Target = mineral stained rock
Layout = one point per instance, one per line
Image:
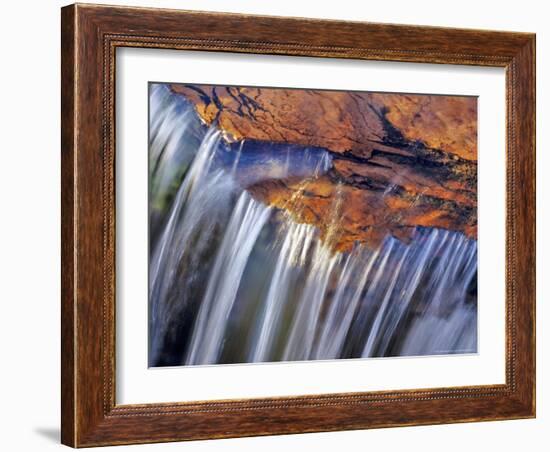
(398, 160)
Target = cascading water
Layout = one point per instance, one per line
(234, 280)
(245, 224)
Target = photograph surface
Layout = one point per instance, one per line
(297, 224)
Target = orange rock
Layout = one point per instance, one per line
(399, 160)
(448, 123)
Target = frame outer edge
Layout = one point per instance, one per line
(525, 61)
(86, 418)
(68, 230)
(534, 225)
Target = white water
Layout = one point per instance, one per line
(245, 224)
(292, 257)
(234, 280)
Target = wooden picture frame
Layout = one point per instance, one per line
(90, 36)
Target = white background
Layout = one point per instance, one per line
(30, 226)
(137, 384)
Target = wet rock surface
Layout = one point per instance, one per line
(399, 161)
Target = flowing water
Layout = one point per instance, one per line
(234, 280)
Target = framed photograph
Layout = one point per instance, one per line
(280, 225)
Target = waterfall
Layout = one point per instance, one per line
(354, 274)
(297, 239)
(247, 220)
(196, 207)
(234, 280)
(302, 336)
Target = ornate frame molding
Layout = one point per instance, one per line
(90, 37)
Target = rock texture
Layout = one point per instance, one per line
(399, 160)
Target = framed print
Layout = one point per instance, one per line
(279, 225)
